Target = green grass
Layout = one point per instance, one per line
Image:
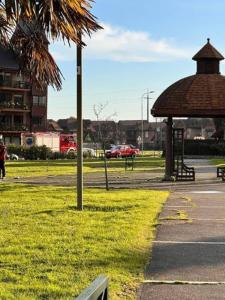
(49, 250)
(59, 167)
(219, 162)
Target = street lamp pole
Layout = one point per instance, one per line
(142, 128)
(79, 127)
(142, 117)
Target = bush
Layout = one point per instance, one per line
(31, 153)
(205, 147)
(58, 155)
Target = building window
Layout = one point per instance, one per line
(40, 100)
(18, 100)
(5, 79)
(5, 98)
(37, 121)
(18, 120)
(15, 140)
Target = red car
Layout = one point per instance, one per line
(122, 151)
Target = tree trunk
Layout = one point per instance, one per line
(106, 170)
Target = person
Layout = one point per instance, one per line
(2, 159)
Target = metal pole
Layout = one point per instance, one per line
(169, 149)
(148, 106)
(142, 128)
(79, 128)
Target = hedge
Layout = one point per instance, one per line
(31, 153)
(204, 147)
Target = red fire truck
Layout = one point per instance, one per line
(57, 142)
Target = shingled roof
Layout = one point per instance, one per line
(200, 95)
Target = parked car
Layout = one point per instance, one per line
(12, 156)
(122, 151)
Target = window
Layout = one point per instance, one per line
(15, 140)
(5, 119)
(5, 79)
(40, 100)
(146, 134)
(35, 100)
(1, 78)
(18, 120)
(18, 100)
(37, 121)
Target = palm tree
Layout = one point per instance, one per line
(25, 26)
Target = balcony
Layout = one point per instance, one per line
(15, 85)
(10, 106)
(6, 127)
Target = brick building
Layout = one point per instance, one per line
(23, 107)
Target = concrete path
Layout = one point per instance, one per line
(188, 257)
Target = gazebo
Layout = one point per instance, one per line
(200, 95)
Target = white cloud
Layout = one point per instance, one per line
(119, 44)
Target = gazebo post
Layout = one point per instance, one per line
(169, 150)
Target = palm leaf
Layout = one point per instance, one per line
(59, 18)
(5, 29)
(31, 48)
(66, 19)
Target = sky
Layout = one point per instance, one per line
(145, 45)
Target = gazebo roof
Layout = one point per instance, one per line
(208, 51)
(200, 95)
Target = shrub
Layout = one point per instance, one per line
(31, 153)
(205, 147)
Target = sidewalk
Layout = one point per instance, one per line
(188, 258)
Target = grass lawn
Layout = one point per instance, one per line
(59, 167)
(49, 250)
(218, 162)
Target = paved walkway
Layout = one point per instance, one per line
(188, 257)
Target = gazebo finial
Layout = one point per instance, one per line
(208, 40)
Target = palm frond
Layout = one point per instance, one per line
(59, 18)
(31, 48)
(5, 29)
(65, 19)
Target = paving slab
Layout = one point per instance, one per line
(195, 231)
(189, 199)
(190, 250)
(194, 262)
(184, 292)
(198, 212)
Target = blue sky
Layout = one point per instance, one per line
(145, 44)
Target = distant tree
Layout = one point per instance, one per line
(219, 125)
(104, 134)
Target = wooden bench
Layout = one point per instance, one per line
(221, 173)
(129, 163)
(184, 173)
(98, 290)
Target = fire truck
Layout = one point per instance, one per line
(57, 142)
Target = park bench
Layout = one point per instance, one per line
(98, 290)
(221, 173)
(129, 163)
(184, 173)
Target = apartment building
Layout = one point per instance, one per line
(23, 106)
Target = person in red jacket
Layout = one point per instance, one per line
(2, 159)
